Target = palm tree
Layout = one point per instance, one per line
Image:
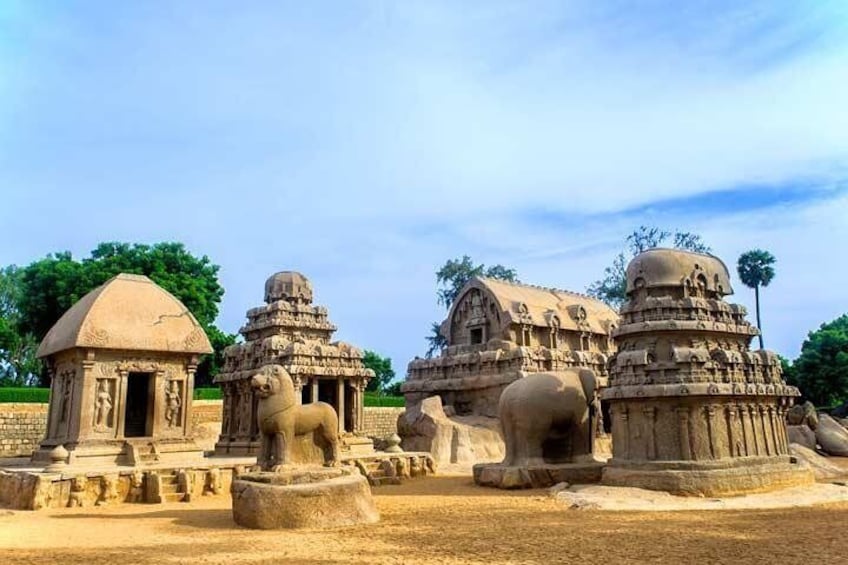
(755, 269)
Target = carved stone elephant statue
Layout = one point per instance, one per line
(545, 417)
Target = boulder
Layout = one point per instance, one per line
(822, 468)
(802, 414)
(462, 440)
(802, 435)
(831, 436)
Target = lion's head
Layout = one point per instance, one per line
(272, 380)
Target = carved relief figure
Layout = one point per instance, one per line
(66, 397)
(173, 403)
(102, 406)
(136, 493)
(77, 496)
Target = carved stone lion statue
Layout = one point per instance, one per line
(281, 418)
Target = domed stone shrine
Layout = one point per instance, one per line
(694, 410)
(122, 361)
(292, 332)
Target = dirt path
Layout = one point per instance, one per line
(439, 520)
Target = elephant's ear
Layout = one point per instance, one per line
(590, 384)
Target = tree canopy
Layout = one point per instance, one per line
(755, 270)
(46, 288)
(450, 279)
(382, 367)
(18, 364)
(611, 288)
(821, 370)
(455, 273)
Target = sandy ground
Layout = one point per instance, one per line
(435, 520)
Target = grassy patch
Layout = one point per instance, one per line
(25, 394)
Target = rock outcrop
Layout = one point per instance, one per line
(462, 440)
(831, 436)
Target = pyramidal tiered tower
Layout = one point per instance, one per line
(694, 410)
(290, 331)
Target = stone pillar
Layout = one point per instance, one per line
(226, 406)
(745, 440)
(354, 410)
(752, 415)
(188, 395)
(314, 396)
(731, 431)
(710, 411)
(340, 403)
(121, 402)
(683, 431)
(54, 398)
(158, 399)
(80, 418)
(650, 413)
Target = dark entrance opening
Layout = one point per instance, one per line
(476, 336)
(349, 408)
(137, 421)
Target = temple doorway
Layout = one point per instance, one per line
(137, 421)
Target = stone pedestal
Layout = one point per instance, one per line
(717, 478)
(536, 476)
(303, 497)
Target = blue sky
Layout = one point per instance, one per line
(365, 143)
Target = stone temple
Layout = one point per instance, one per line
(694, 410)
(122, 361)
(498, 331)
(290, 331)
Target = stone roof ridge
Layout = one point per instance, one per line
(540, 287)
(701, 253)
(131, 277)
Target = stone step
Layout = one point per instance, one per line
(172, 497)
(383, 481)
(169, 489)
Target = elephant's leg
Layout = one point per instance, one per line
(531, 439)
(581, 446)
(508, 428)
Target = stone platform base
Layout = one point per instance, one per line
(303, 497)
(25, 485)
(501, 476)
(726, 481)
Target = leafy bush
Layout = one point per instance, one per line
(384, 401)
(207, 393)
(25, 394)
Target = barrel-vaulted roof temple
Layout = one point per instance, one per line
(496, 331)
(122, 361)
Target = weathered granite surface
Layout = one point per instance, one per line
(303, 497)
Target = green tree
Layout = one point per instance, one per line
(382, 367)
(821, 371)
(18, 363)
(756, 270)
(52, 285)
(450, 279)
(611, 288)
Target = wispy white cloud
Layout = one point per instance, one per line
(366, 143)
